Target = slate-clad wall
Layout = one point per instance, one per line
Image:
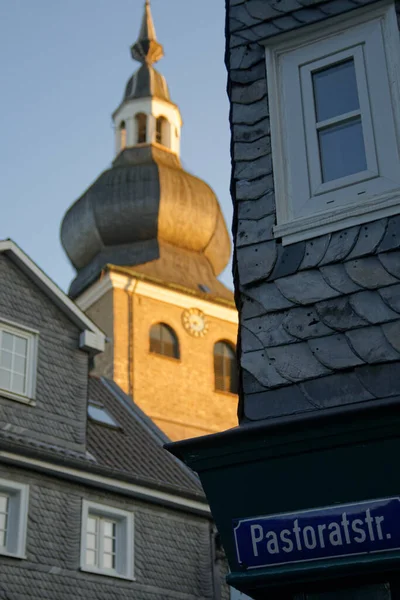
(320, 319)
(59, 417)
(172, 549)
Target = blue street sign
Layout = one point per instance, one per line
(317, 534)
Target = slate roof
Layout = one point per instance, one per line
(136, 449)
(320, 319)
(147, 82)
(184, 271)
(131, 453)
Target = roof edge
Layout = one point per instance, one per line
(92, 474)
(92, 339)
(157, 434)
(130, 272)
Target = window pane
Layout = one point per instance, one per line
(19, 365)
(3, 519)
(5, 379)
(91, 558)
(109, 528)
(100, 414)
(20, 345)
(3, 539)
(108, 561)
(91, 541)
(109, 545)
(342, 150)
(91, 525)
(335, 90)
(5, 359)
(3, 503)
(164, 341)
(7, 341)
(18, 384)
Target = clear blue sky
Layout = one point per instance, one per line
(64, 67)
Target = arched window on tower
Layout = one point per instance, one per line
(225, 368)
(141, 128)
(122, 135)
(162, 131)
(163, 340)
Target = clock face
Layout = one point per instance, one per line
(195, 322)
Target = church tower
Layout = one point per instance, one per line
(148, 240)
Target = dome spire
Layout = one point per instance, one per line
(146, 49)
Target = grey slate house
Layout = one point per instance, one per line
(317, 264)
(91, 506)
(314, 88)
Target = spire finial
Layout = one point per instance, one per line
(147, 49)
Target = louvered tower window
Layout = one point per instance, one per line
(141, 128)
(163, 340)
(161, 124)
(225, 368)
(122, 135)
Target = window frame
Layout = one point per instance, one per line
(124, 568)
(32, 337)
(224, 376)
(291, 57)
(99, 406)
(177, 345)
(312, 126)
(17, 521)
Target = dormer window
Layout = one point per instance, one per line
(122, 135)
(97, 412)
(141, 128)
(334, 124)
(18, 351)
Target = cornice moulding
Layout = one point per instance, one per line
(156, 292)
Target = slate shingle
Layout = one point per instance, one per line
(135, 449)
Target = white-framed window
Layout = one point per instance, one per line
(13, 518)
(18, 361)
(107, 540)
(334, 107)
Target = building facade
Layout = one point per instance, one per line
(148, 241)
(314, 91)
(91, 506)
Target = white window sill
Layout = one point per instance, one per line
(17, 397)
(4, 552)
(372, 209)
(106, 573)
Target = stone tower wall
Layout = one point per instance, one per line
(179, 394)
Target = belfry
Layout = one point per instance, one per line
(148, 240)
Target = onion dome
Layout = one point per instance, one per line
(144, 200)
(146, 208)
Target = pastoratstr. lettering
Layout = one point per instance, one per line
(342, 530)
